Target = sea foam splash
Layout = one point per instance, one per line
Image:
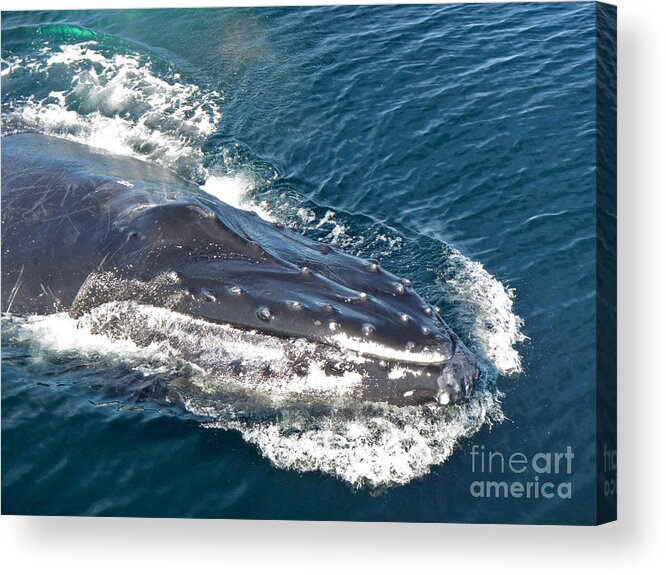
(371, 446)
(117, 102)
(487, 313)
(120, 103)
(235, 188)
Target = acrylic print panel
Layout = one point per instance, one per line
(319, 263)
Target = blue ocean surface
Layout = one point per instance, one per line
(454, 143)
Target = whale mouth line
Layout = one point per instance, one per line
(377, 351)
(282, 363)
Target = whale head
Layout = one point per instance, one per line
(110, 229)
(230, 266)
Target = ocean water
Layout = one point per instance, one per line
(455, 143)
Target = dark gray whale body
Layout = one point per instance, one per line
(81, 228)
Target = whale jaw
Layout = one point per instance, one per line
(278, 369)
(437, 376)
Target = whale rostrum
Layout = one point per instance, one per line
(82, 228)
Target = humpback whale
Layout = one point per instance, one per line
(82, 227)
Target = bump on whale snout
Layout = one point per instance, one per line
(458, 377)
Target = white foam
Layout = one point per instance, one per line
(384, 447)
(399, 372)
(70, 53)
(118, 103)
(60, 333)
(328, 218)
(495, 329)
(234, 189)
(306, 215)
